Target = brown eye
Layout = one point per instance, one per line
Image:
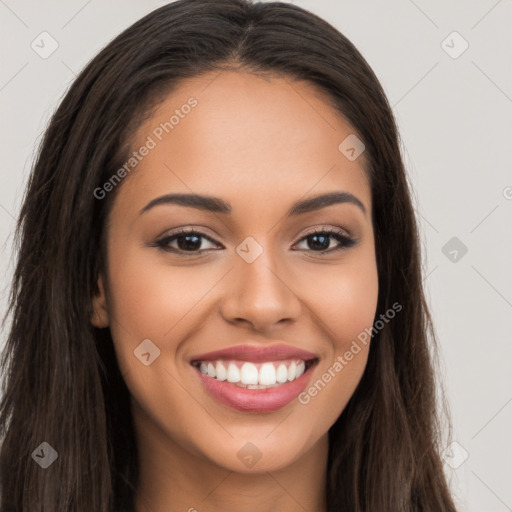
(320, 240)
(187, 241)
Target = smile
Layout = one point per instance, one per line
(254, 375)
(254, 378)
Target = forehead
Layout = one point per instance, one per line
(246, 137)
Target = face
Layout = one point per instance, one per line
(286, 285)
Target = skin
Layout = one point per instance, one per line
(260, 144)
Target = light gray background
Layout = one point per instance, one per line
(455, 119)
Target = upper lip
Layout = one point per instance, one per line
(256, 354)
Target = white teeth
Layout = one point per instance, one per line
(282, 373)
(254, 375)
(292, 371)
(233, 373)
(248, 374)
(221, 372)
(267, 374)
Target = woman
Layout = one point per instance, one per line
(218, 300)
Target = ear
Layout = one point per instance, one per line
(99, 305)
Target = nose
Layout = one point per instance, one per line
(261, 294)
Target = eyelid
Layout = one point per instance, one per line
(329, 229)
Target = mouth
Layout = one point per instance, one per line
(263, 380)
(248, 375)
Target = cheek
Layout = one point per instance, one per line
(151, 300)
(345, 303)
(354, 304)
(344, 300)
(347, 307)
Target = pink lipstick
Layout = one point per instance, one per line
(254, 378)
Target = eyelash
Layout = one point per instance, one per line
(345, 241)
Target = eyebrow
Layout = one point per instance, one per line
(217, 205)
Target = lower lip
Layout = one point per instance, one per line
(256, 400)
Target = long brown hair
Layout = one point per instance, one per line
(62, 384)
